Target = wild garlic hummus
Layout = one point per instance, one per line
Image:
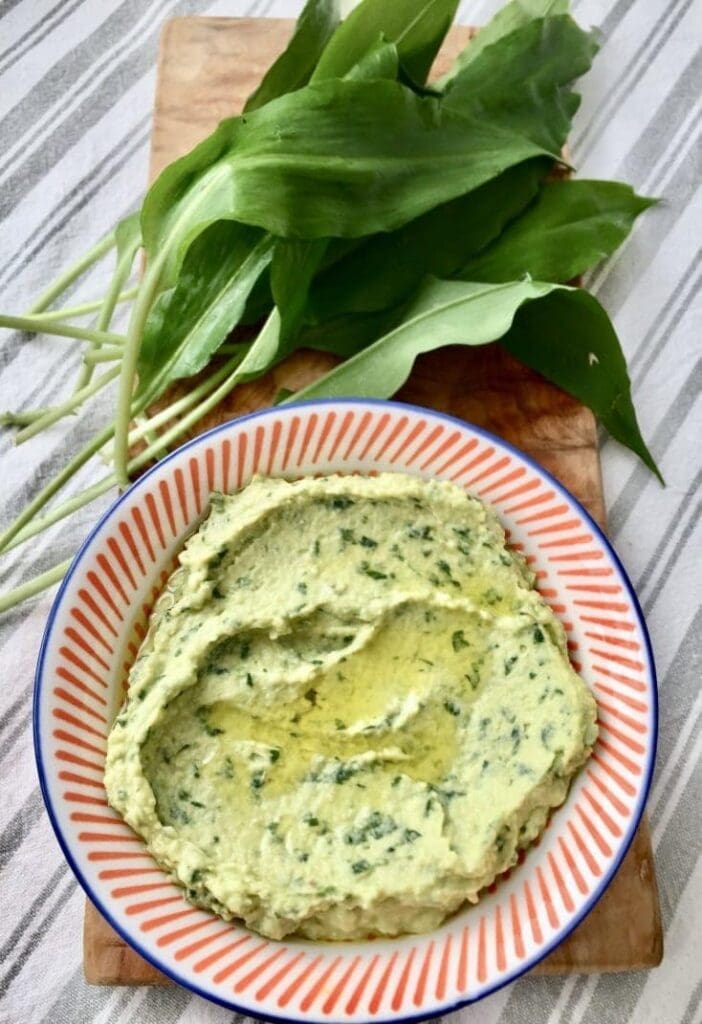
(350, 711)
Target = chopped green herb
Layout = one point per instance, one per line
(377, 826)
(458, 640)
(375, 574)
(473, 678)
(420, 533)
(343, 773)
(360, 866)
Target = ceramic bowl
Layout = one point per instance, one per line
(92, 635)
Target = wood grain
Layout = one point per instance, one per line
(207, 68)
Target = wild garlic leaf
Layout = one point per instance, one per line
(381, 60)
(187, 323)
(569, 338)
(383, 269)
(417, 27)
(295, 260)
(128, 237)
(522, 81)
(337, 159)
(512, 16)
(571, 226)
(562, 332)
(292, 70)
(348, 333)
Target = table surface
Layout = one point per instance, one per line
(76, 91)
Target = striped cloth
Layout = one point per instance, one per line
(76, 90)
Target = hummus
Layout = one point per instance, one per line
(351, 710)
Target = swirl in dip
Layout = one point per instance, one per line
(351, 710)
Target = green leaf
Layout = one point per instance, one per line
(442, 313)
(340, 158)
(521, 80)
(292, 70)
(568, 338)
(381, 60)
(348, 333)
(295, 262)
(128, 237)
(512, 16)
(417, 27)
(571, 226)
(188, 323)
(383, 269)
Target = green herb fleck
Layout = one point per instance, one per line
(375, 574)
(458, 640)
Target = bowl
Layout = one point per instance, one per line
(92, 636)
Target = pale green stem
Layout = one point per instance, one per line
(83, 309)
(67, 407)
(72, 467)
(107, 309)
(181, 404)
(28, 323)
(22, 419)
(20, 534)
(47, 492)
(106, 354)
(67, 277)
(184, 423)
(123, 415)
(35, 586)
(149, 433)
(73, 504)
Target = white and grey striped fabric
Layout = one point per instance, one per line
(76, 90)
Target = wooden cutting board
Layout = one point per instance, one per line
(207, 67)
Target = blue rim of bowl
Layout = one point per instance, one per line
(635, 818)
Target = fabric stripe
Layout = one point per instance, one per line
(675, 416)
(35, 35)
(644, 56)
(36, 935)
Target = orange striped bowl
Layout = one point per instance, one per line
(90, 641)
